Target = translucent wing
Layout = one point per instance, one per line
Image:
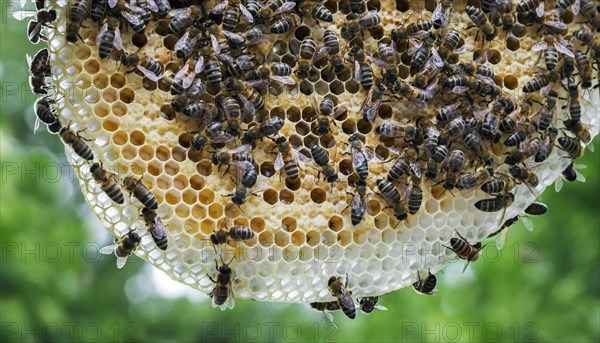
(121, 261)
(220, 7)
(112, 3)
(182, 41)
(109, 249)
(580, 177)
(182, 71)
(576, 7)
(379, 63)
(436, 59)
(339, 109)
(222, 138)
(303, 158)
(286, 80)
(527, 223)
(539, 46)
(359, 204)
(502, 239)
(147, 73)
(118, 40)
(558, 183)
(36, 126)
(247, 108)
(179, 12)
(237, 38)
(357, 74)
(199, 67)
(591, 147)
(246, 14)
(286, 7)
(101, 33)
(241, 148)
(460, 89)
(415, 169)
(278, 164)
(215, 44)
(188, 79)
(564, 50)
(441, 14)
(152, 5)
(540, 9)
(131, 18)
(556, 24)
(358, 158)
(380, 308)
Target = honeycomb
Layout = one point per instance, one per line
(303, 232)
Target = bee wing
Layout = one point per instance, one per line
(178, 13)
(220, 7)
(199, 67)
(357, 74)
(35, 32)
(247, 108)
(21, 15)
(556, 24)
(329, 317)
(558, 184)
(152, 5)
(539, 46)
(230, 302)
(278, 164)
(359, 204)
(246, 13)
(460, 89)
(502, 239)
(205, 120)
(527, 223)
(591, 147)
(181, 42)
(436, 59)
(416, 169)
(188, 79)
(131, 18)
(540, 9)
(258, 84)
(214, 42)
(564, 50)
(358, 158)
(286, 80)
(575, 7)
(121, 261)
(182, 71)
(241, 148)
(286, 7)
(237, 38)
(222, 138)
(118, 40)
(147, 73)
(441, 14)
(463, 49)
(339, 109)
(112, 3)
(580, 177)
(303, 158)
(380, 308)
(414, 46)
(379, 63)
(546, 89)
(101, 33)
(109, 249)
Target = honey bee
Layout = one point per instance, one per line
(156, 228)
(272, 8)
(123, 247)
(372, 102)
(453, 164)
(182, 80)
(338, 289)
(369, 304)
(286, 24)
(42, 19)
(236, 233)
(590, 12)
(321, 158)
(361, 155)
(271, 71)
(474, 142)
(527, 149)
(328, 115)
(473, 180)
(238, 156)
(356, 24)
(426, 285)
(222, 294)
(523, 175)
(531, 5)
(45, 111)
(214, 135)
(387, 62)
(39, 69)
(547, 145)
(97, 9)
(182, 18)
(571, 146)
(77, 143)
(78, 11)
(267, 128)
(405, 165)
(481, 21)
(149, 67)
(573, 100)
(200, 110)
(249, 97)
(551, 46)
(417, 29)
(358, 206)
(181, 101)
(453, 129)
(140, 192)
(449, 45)
(305, 55)
(465, 250)
(422, 52)
(548, 111)
(500, 202)
(462, 83)
(287, 159)
(108, 182)
(542, 82)
(231, 16)
(498, 185)
(570, 174)
(392, 196)
(316, 9)
(417, 96)
(245, 182)
(579, 130)
(253, 6)
(584, 66)
(109, 37)
(565, 4)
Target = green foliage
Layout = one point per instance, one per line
(544, 285)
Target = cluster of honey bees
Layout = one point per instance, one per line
(465, 131)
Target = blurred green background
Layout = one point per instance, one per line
(544, 285)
